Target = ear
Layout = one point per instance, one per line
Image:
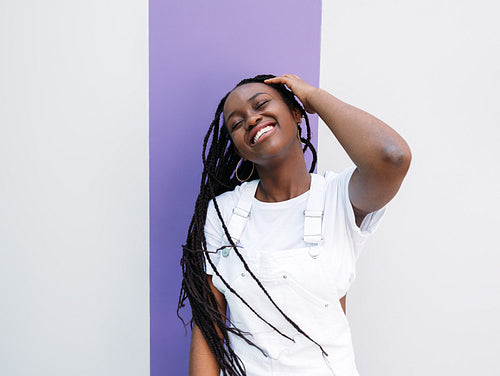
(297, 115)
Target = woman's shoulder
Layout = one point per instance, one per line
(231, 196)
(335, 182)
(228, 200)
(333, 176)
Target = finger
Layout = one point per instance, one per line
(277, 80)
(287, 76)
(287, 79)
(282, 77)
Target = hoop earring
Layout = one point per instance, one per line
(238, 166)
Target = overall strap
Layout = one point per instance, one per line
(242, 210)
(313, 216)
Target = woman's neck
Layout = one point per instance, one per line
(287, 180)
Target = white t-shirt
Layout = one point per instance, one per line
(280, 225)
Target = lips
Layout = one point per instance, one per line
(256, 130)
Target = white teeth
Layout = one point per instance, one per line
(261, 133)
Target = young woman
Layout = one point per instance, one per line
(274, 243)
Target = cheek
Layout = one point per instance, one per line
(287, 117)
(237, 142)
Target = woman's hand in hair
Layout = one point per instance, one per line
(300, 88)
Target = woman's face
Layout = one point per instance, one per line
(260, 123)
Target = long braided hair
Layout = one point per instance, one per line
(218, 176)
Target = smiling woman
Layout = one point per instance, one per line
(278, 248)
(255, 116)
(263, 128)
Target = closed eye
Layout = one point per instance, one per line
(235, 125)
(260, 104)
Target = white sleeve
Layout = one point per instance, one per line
(213, 236)
(371, 220)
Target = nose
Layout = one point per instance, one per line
(253, 120)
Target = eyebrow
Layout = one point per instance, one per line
(249, 100)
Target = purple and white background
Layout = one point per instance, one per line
(103, 108)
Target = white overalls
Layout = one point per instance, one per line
(300, 281)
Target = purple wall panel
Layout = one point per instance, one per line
(198, 51)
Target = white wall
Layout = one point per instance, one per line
(426, 301)
(74, 217)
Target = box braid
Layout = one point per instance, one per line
(218, 176)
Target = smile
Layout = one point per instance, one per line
(261, 131)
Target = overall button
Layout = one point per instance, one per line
(243, 274)
(225, 252)
(314, 252)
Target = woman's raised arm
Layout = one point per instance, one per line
(381, 155)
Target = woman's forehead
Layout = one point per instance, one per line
(245, 93)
